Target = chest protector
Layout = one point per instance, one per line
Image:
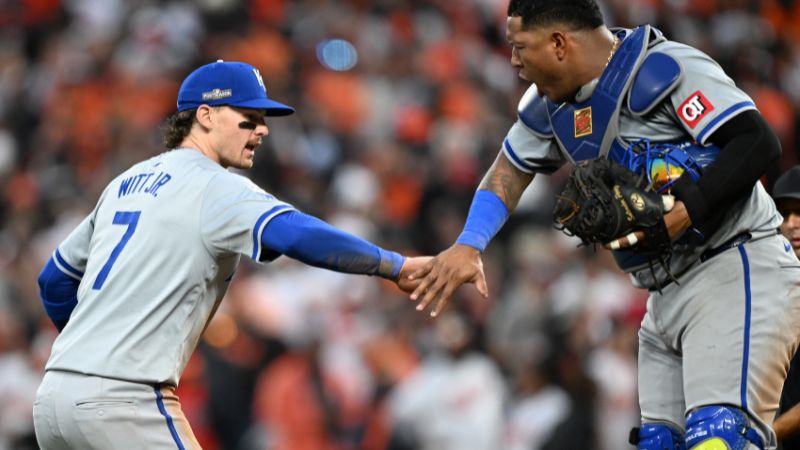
(588, 128)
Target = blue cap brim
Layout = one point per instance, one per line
(272, 107)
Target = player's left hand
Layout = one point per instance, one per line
(676, 219)
(411, 265)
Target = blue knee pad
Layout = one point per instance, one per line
(720, 427)
(657, 436)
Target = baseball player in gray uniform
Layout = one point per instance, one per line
(723, 317)
(134, 285)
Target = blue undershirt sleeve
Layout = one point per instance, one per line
(315, 242)
(59, 293)
(486, 216)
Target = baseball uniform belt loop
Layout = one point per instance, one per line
(735, 241)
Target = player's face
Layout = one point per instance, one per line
(790, 210)
(240, 133)
(534, 52)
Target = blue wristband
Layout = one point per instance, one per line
(487, 214)
(391, 263)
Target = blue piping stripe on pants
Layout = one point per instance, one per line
(170, 425)
(746, 346)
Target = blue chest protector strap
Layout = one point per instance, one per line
(588, 129)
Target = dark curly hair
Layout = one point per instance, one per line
(177, 127)
(580, 14)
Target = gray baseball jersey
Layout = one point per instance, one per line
(703, 101)
(725, 334)
(154, 258)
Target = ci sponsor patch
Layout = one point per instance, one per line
(694, 108)
(583, 122)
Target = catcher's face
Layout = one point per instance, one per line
(539, 55)
(790, 210)
(239, 133)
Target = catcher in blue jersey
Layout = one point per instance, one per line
(134, 285)
(723, 316)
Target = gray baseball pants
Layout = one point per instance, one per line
(76, 411)
(725, 335)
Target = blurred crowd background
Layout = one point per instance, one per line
(396, 122)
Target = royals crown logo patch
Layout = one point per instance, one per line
(583, 122)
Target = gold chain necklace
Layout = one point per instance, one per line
(613, 49)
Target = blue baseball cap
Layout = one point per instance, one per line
(228, 83)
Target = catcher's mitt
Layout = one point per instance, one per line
(603, 201)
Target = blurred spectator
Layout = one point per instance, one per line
(300, 407)
(538, 407)
(21, 367)
(455, 399)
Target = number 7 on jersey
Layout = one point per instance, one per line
(129, 218)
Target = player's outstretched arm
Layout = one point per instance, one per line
(505, 180)
(317, 243)
(497, 195)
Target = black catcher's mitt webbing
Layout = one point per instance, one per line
(603, 201)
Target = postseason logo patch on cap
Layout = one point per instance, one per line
(217, 94)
